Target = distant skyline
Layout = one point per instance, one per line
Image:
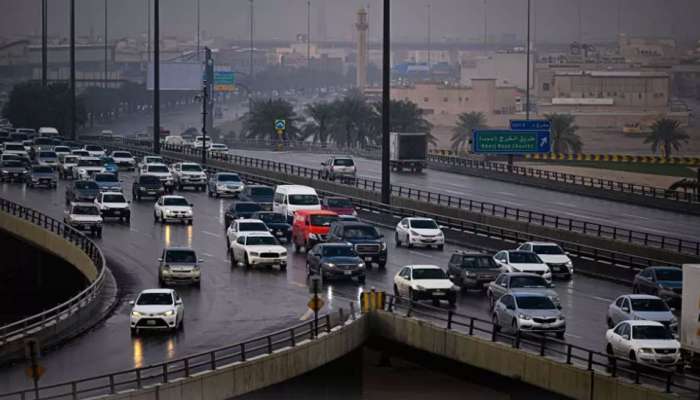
(553, 20)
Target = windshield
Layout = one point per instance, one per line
(527, 282)
(175, 201)
(322, 220)
(86, 210)
(344, 162)
(158, 169)
(86, 185)
(534, 303)
(42, 170)
(149, 180)
(70, 160)
(303, 199)
(191, 168)
(339, 251)
(106, 178)
(113, 198)
(47, 154)
(669, 274)
(19, 137)
(649, 305)
(228, 178)
(91, 147)
(548, 249)
(89, 163)
(274, 218)
(180, 256)
(521, 257)
(82, 153)
(478, 262)
(14, 147)
(155, 299)
(361, 232)
(61, 149)
(339, 203)
(252, 227)
(121, 154)
(262, 191)
(261, 241)
(247, 207)
(42, 141)
(428, 273)
(153, 160)
(423, 224)
(651, 332)
(12, 164)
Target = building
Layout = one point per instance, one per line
(508, 69)
(362, 26)
(648, 51)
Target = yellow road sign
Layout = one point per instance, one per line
(30, 372)
(315, 304)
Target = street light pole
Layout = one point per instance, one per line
(308, 34)
(73, 102)
(386, 98)
(198, 30)
(156, 76)
(527, 78)
(106, 53)
(44, 43)
(148, 30)
(250, 66)
(429, 35)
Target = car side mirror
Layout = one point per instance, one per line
(441, 227)
(131, 303)
(160, 260)
(178, 302)
(626, 309)
(558, 306)
(191, 204)
(626, 336)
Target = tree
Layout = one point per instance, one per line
(351, 125)
(564, 137)
(466, 123)
(321, 114)
(667, 133)
(260, 121)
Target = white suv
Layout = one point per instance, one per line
(115, 205)
(179, 265)
(124, 159)
(258, 249)
(172, 208)
(189, 174)
(84, 217)
(162, 172)
(554, 256)
(243, 226)
(156, 309)
(339, 167)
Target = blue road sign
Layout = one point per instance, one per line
(280, 124)
(530, 125)
(504, 141)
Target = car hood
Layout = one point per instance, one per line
(530, 267)
(363, 241)
(427, 232)
(555, 258)
(161, 174)
(108, 184)
(86, 192)
(91, 169)
(549, 313)
(266, 248)
(260, 199)
(48, 160)
(155, 309)
(123, 159)
(433, 283)
(658, 343)
(546, 291)
(278, 225)
(341, 260)
(116, 205)
(661, 316)
(671, 284)
(341, 210)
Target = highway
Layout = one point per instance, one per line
(233, 304)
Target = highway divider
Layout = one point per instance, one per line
(621, 158)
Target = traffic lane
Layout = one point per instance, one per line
(600, 211)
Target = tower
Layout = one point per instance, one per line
(362, 27)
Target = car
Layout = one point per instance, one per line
(80, 153)
(339, 167)
(310, 227)
(82, 191)
(87, 167)
(150, 160)
(528, 312)
(66, 163)
(349, 218)
(665, 282)
(12, 171)
(179, 265)
(172, 208)
(335, 260)
(146, 186)
(292, 198)
(644, 342)
(260, 194)
(276, 223)
(423, 232)
(472, 270)
(94, 150)
(517, 282)
(640, 306)
(84, 217)
(553, 255)
(41, 175)
(369, 243)
(49, 132)
(258, 249)
(48, 158)
(41, 144)
(218, 148)
(339, 205)
(244, 226)
(162, 172)
(187, 174)
(225, 184)
(161, 309)
(201, 142)
(109, 165)
(61, 150)
(124, 160)
(240, 209)
(16, 149)
(425, 282)
(522, 261)
(107, 182)
(113, 205)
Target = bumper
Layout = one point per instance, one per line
(476, 283)
(86, 227)
(12, 176)
(335, 273)
(160, 322)
(126, 165)
(192, 182)
(532, 326)
(446, 294)
(423, 241)
(659, 360)
(375, 258)
(43, 182)
(174, 277)
(268, 262)
(560, 270)
(228, 191)
(116, 213)
(151, 192)
(182, 218)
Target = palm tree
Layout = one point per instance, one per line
(466, 123)
(351, 124)
(667, 133)
(321, 114)
(260, 121)
(406, 116)
(564, 137)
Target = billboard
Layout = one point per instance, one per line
(177, 76)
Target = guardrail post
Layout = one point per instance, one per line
(352, 310)
(568, 354)
(112, 389)
(74, 390)
(669, 381)
(165, 372)
(187, 367)
(269, 345)
(328, 323)
(636, 372)
(449, 319)
(138, 378)
(242, 346)
(543, 343)
(471, 326)
(590, 361)
(294, 339)
(212, 361)
(613, 367)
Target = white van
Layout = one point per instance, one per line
(291, 198)
(174, 140)
(199, 142)
(49, 132)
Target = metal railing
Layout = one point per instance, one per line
(167, 371)
(35, 323)
(559, 350)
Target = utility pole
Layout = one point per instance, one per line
(527, 78)
(486, 24)
(250, 72)
(206, 99)
(308, 34)
(386, 98)
(106, 52)
(44, 43)
(156, 76)
(73, 102)
(429, 36)
(148, 30)
(198, 30)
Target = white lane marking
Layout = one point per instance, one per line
(423, 254)
(507, 194)
(453, 191)
(573, 336)
(635, 216)
(577, 215)
(211, 234)
(561, 203)
(603, 299)
(208, 255)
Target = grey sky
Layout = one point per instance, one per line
(555, 20)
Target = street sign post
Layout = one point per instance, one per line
(316, 302)
(506, 141)
(34, 371)
(530, 125)
(224, 79)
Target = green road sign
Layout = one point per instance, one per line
(505, 141)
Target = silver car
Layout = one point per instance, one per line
(640, 307)
(528, 312)
(517, 282)
(179, 265)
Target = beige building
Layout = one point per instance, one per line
(508, 69)
(648, 51)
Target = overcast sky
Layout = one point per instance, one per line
(554, 20)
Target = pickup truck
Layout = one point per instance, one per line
(147, 186)
(189, 174)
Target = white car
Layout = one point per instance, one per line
(244, 226)
(425, 282)
(94, 150)
(172, 208)
(554, 256)
(124, 160)
(162, 172)
(258, 249)
(66, 163)
(156, 309)
(189, 174)
(87, 167)
(16, 149)
(61, 150)
(113, 205)
(641, 306)
(218, 148)
(150, 160)
(84, 217)
(419, 232)
(522, 261)
(646, 342)
(80, 153)
(179, 265)
(47, 158)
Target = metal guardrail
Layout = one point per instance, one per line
(35, 323)
(597, 183)
(544, 346)
(167, 371)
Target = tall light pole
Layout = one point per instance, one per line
(486, 24)
(308, 34)
(44, 42)
(386, 98)
(156, 76)
(252, 10)
(148, 30)
(106, 51)
(619, 17)
(580, 23)
(429, 35)
(527, 78)
(198, 29)
(73, 101)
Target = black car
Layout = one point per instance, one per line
(82, 191)
(472, 270)
(12, 171)
(258, 194)
(368, 242)
(335, 260)
(147, 186)
(664, 282)
(276, 222)
(240, 209)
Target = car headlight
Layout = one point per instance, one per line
(254, 254)
(142, 189)
(454, 288)
(361, 265)
(313, 236)
(169, 313)
(646, 350)
(221, 187)
(4, 171)
(561, 317)
(419, 287)
(470, 274)
(569, 264)
(283, 254)
(514, 269)
(329, 265)
(524, 316)
(383, 246)
(673, 320)
(136, 314)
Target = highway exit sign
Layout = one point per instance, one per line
(504, 141)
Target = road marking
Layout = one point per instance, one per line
(422, 254)
(208, 255)
(636, 216)
(602, 299)
(453, 191)
(561, 203)
(507, 194)
(211, 234)
(576, 215)
(573, 336)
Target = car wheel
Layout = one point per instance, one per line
(189, 222)
(494, 320)
(633, 357)
(397, 295)
(412, 295)
(514, 326)
(128, 220)
(560, 335)
(246, 262)
(441, 247)
(452, 301)
(396, 240)
(610, 323)
(134, 331)
(232, 258)
(361, 279)
(155, 217)
(228, 243)
(99, 233)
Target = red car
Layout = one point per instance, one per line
(339, 205)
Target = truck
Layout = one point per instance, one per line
(408, 151)
(690, 315)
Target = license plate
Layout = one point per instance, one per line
(348, 272)
(279, 233)
(151, 322)
(438, 293)
(151, 193)
(368, 258)
(117, 213)
(276, 265)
